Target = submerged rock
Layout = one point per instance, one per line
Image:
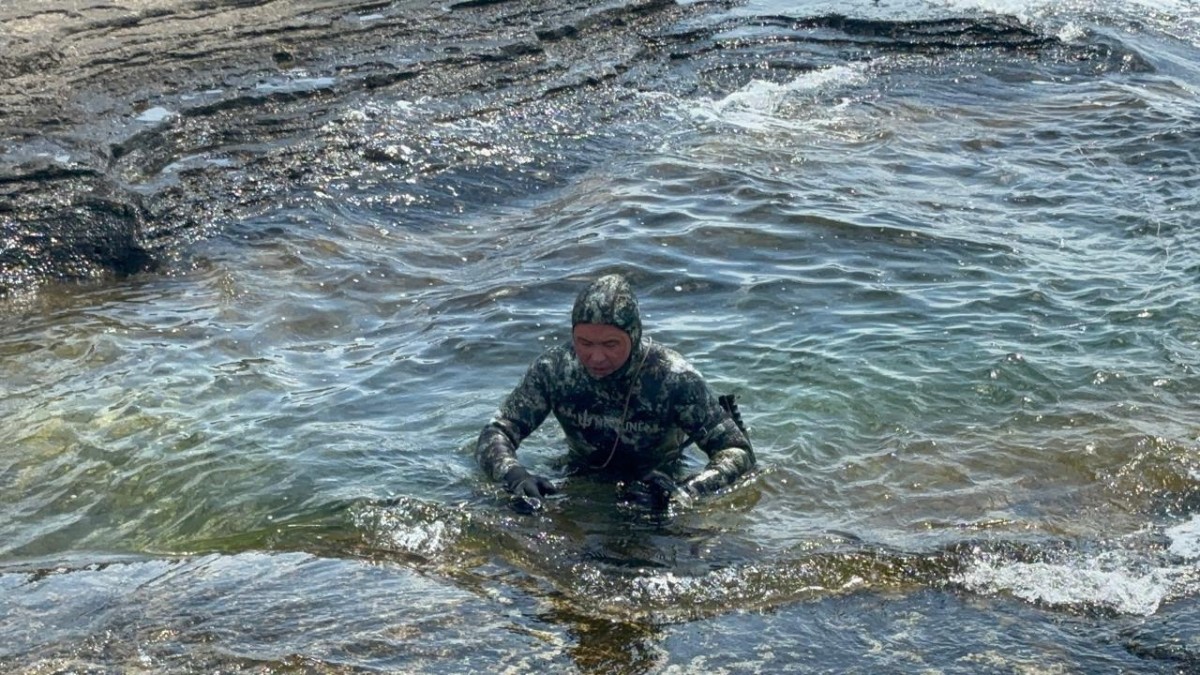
(163, 121)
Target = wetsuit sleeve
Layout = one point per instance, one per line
(519, 415)
(730, 455)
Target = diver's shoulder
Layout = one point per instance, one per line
(555, 356)
(670, 362)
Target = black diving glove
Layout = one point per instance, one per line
(664, 491)
(527, 489)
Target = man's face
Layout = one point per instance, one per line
(602, 349)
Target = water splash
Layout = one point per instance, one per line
(762, 104)
(1185, 539)
(412, 527)
(1115, 581)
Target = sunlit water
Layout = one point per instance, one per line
(955, 292)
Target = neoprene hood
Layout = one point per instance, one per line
(609, 300)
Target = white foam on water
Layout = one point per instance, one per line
(1185, 538)
(1108, 580)
(1174, 12)
(399, 529)
(296, 84)
(155, 114)
(758, 104)
(424, 540)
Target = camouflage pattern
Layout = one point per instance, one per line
(610, 300)
(634, 421)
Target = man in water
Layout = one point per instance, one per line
(627, 405)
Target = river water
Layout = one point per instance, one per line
(943, 252)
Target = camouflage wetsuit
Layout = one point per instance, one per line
(633, 421)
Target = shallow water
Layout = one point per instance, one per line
(944, 254)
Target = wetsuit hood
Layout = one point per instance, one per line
(609, 300)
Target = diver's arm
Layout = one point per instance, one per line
(730, 455)
(724, 467)
(496, 448)
(519, 415)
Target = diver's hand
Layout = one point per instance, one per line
(664, 491)
(527, 489)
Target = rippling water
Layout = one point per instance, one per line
(945, 253)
